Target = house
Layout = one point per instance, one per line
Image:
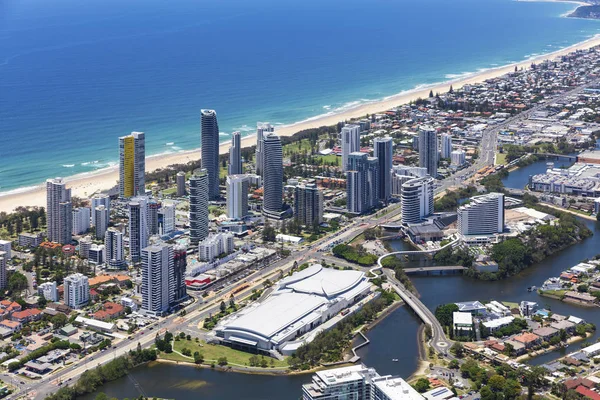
(528, 308)
(577, 297)
(587, 393)
(528, 340)
(546, 333)
(518, 347)
(109, 311)
(32, 314)
(568, 326)
(473, 307)
(13, 326)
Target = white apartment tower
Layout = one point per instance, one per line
(166, 219)
(6, 246)
(58, 211)
(157, 262)
(383, 149)
(417, 199)
(77, 290)
(237, 196)
(115, 255)
(350, 136)
(428, 154)
(138, 227)
(100, 221)
(458, 157)
(484, 215)
(446, 145)
(235, 154)
(49, 291)
(199, 206)
(81, 220)
(308, 204)
(262, 129)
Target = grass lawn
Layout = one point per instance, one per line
(331, 158)
(169, 191)
(212, 352)
(501, 159)
(297, 147)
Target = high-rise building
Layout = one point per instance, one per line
(84, 246)
(77, 290)
(428, 154)
(402, 174)
(59, 214)
(180, 184)
(383, 149)
(48, 290)
(132, 165)
(100, 221)
(210, 151)
(199, 206)
(235, 154)
(6, 246)
(178, 289)
(153, 207)
(237, 196)
(484, 215)
(97, 254)
(262, 129)
(273, 176)
(373, 182)
(81, 220)
(115, 255)
(458, 157)
(357, 382)
(166, 219)
(215, 245)
(138, 227)
(3, 276)
(100, 200)
(157, 261)
(308, 204)
(350, 143)
(417, 199)
(446, 145)
(362, 183)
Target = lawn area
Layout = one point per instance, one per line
(169, 191)
(331, 158)
(212, 352)
(501, 159)
(297, 147)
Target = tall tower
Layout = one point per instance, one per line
(356, 183)
(273, 176)
(59, 214)
(178, 290)
(417, 199)
(113, 242)
(428, 155)
(180, 184)
(235, 154)
(157, 261)
(262, 129)
(132, 165)
(446, 145)
(3, 276)
(373, 182)
(199, 206)
(384, 151)
(350, 143)
(100, 221)
(237, 196)
(210, 151)
(138, 227)
(77, 290)
(308, 204)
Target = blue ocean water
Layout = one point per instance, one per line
(76, 75)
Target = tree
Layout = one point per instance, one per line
(533, 379)
(222, 361)
(59, 320)
(198, 357)
(457, 349)
(422, 385)
(496, 383)
(430, 93)
(223, 306)
(17, 282)
(41, 303)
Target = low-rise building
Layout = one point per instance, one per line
(462, 323)
(528, 340)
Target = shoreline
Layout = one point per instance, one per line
(86, 184)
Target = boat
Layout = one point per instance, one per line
(394, 359)
(532, 288)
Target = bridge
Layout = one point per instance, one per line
(440, 269)
(550, 155)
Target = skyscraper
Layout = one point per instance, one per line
(81, 220)
(100, 221)
(3, 275)
(273, 176)
(384, 151)
(199, 206)
(138, 227)
(157, 261)
(356, 183)
(308, 204)
(350, 143)
(153, 207)
(261, 131)
(373, 182)
(428, 155)
(458, 157)
(77, 290)
(113, 242)
(484, 215)
(177, 287)
(417, 199)
(210, 151)
(132, 165)
(237, 196)
(235, 154)
(446, 145)
(101, 200)
(180, 184)
(166, 219)
(59, 217)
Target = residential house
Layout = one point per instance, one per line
(13, 326)
(546, 333)
(32, 314)
(528, 340)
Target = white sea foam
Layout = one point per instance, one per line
(68, 165)
(176, 147)
(327, 107)
(223, 134)
(169, 143)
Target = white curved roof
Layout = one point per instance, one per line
(323, 281)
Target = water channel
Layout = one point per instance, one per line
(393, 337)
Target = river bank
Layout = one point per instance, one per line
(84, 185)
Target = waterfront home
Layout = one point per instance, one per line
(462, 323)
(592, 350)
(580, 297)
(546, 333)
(473, 307)
(528, 340)
(518, 347)
(495, 324)
(528, 308)
(567, 325)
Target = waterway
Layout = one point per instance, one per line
(393, 337)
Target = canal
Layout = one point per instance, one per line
(393, 337)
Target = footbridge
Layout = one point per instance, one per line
(440, 269)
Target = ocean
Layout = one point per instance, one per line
(74, 76)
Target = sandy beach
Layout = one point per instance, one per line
(85, 185)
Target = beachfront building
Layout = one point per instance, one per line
(81, 220)
(357, 382)
(59, 214)
(428, 153)
(198, 216)
(237, 196)
(132, 165)
(138, 227)
(484, 215)
(273, 177)
(77, 291)
(446, 145)
(235, 154)
(350, 136)
(417, 199)
(262, 129)
(157, 261)
(383, 149)
(298, 304)
(308, 204)
(210, 151)
(180, 184)
(113, 243)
